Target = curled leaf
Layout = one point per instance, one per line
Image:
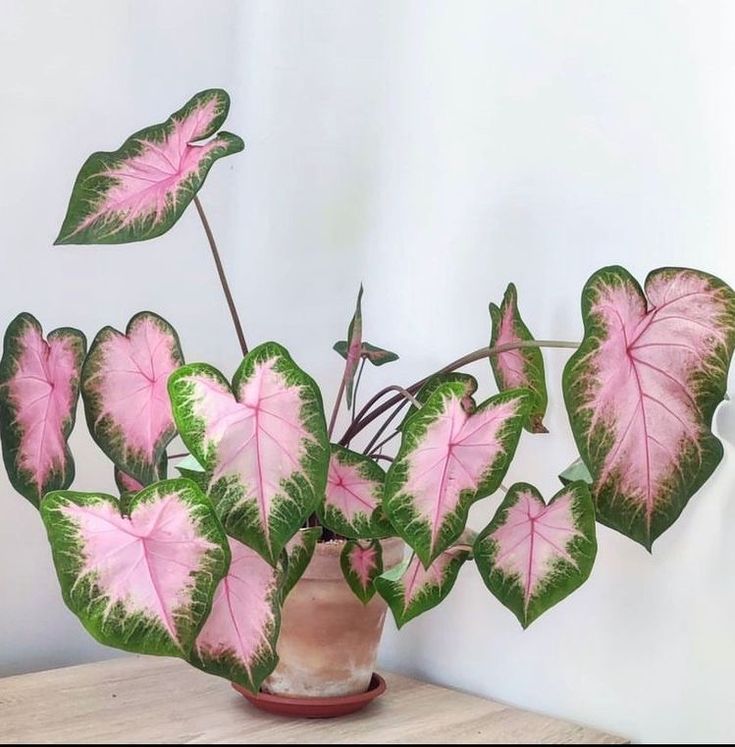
(377, 356)
(522, 367)
(39, 390)
(140, 190)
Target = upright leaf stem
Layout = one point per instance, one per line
(222, 277)
(366, 415)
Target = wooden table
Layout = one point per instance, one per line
(150, 700)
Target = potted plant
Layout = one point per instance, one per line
(275, 523)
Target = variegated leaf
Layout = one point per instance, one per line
(189, 468)
(642, 389)
(377, 356)
(299, 551)
(128, 484)
(39, 390)
(124, 391)
(140, 190)
(264, 442)
(362, 563)
(410, 589)
(532, 554)
(238, 640)
(451, 455)
(435, 382)
(142, 582)
(523, 367)
(354, 349)
(352, 503)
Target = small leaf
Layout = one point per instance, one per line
(523, 367)
(124, 391)
(128, 484)
(264, 442)
(189, 468)
(451, 455)
(39, 390)
(577, 470)
(238, 640)
(411, 590)
(354, 349)
(376, 356)
(299, 551)
(144, 582)
(361, 564)
(642, 389)
(352, 504)
(140, 190)
(533, 555)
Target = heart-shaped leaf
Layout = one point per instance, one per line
(140, 190)
(532, 555)
(354, 349)
(299, 551)
(361, 564)
(265, 446)
(523, 367)
(352, 504)
(410, 589)
(238, 640)
(376, 356)
(642, 389)
(451, 455)
(39, 389)
(435, 382)
(124, 391)
(142, 582)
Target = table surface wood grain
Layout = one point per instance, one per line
(146, 700)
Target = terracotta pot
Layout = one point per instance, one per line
(329, 639)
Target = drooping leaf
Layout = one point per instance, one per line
(377, 356)
(124, 392)
(189, 468)
(577, 470)
(299, 551)
(265, 446)
(435, 382)
(451, 455)
(361, 564)
(238, 640)
(532, 554)
(140, 190)
(354, 349)
(523, 367)
(142, 582)
(352, 503)
(410, 589)
(39, 389)
(642, 389)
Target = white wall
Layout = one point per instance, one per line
(434, 151)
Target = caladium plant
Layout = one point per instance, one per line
(199, 566)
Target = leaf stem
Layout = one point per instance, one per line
(337, 403)
(365, 417)
(357, 386)
(222, 277)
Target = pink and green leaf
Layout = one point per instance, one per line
(523, 367)
(435, 382)
(451, 455)
(299, 551)
(238, 640)
(377, 356)
(354, 349)
(362, 563)
(140, 190)
(143, 582)
(125, 397)
(410, 589)
(642, 389)
(39, 390)
(352, 504)
(128, 484)
(263, 441)
(532, 554)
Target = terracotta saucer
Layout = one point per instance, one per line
(315, 707)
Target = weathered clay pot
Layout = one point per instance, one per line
(329, 639)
